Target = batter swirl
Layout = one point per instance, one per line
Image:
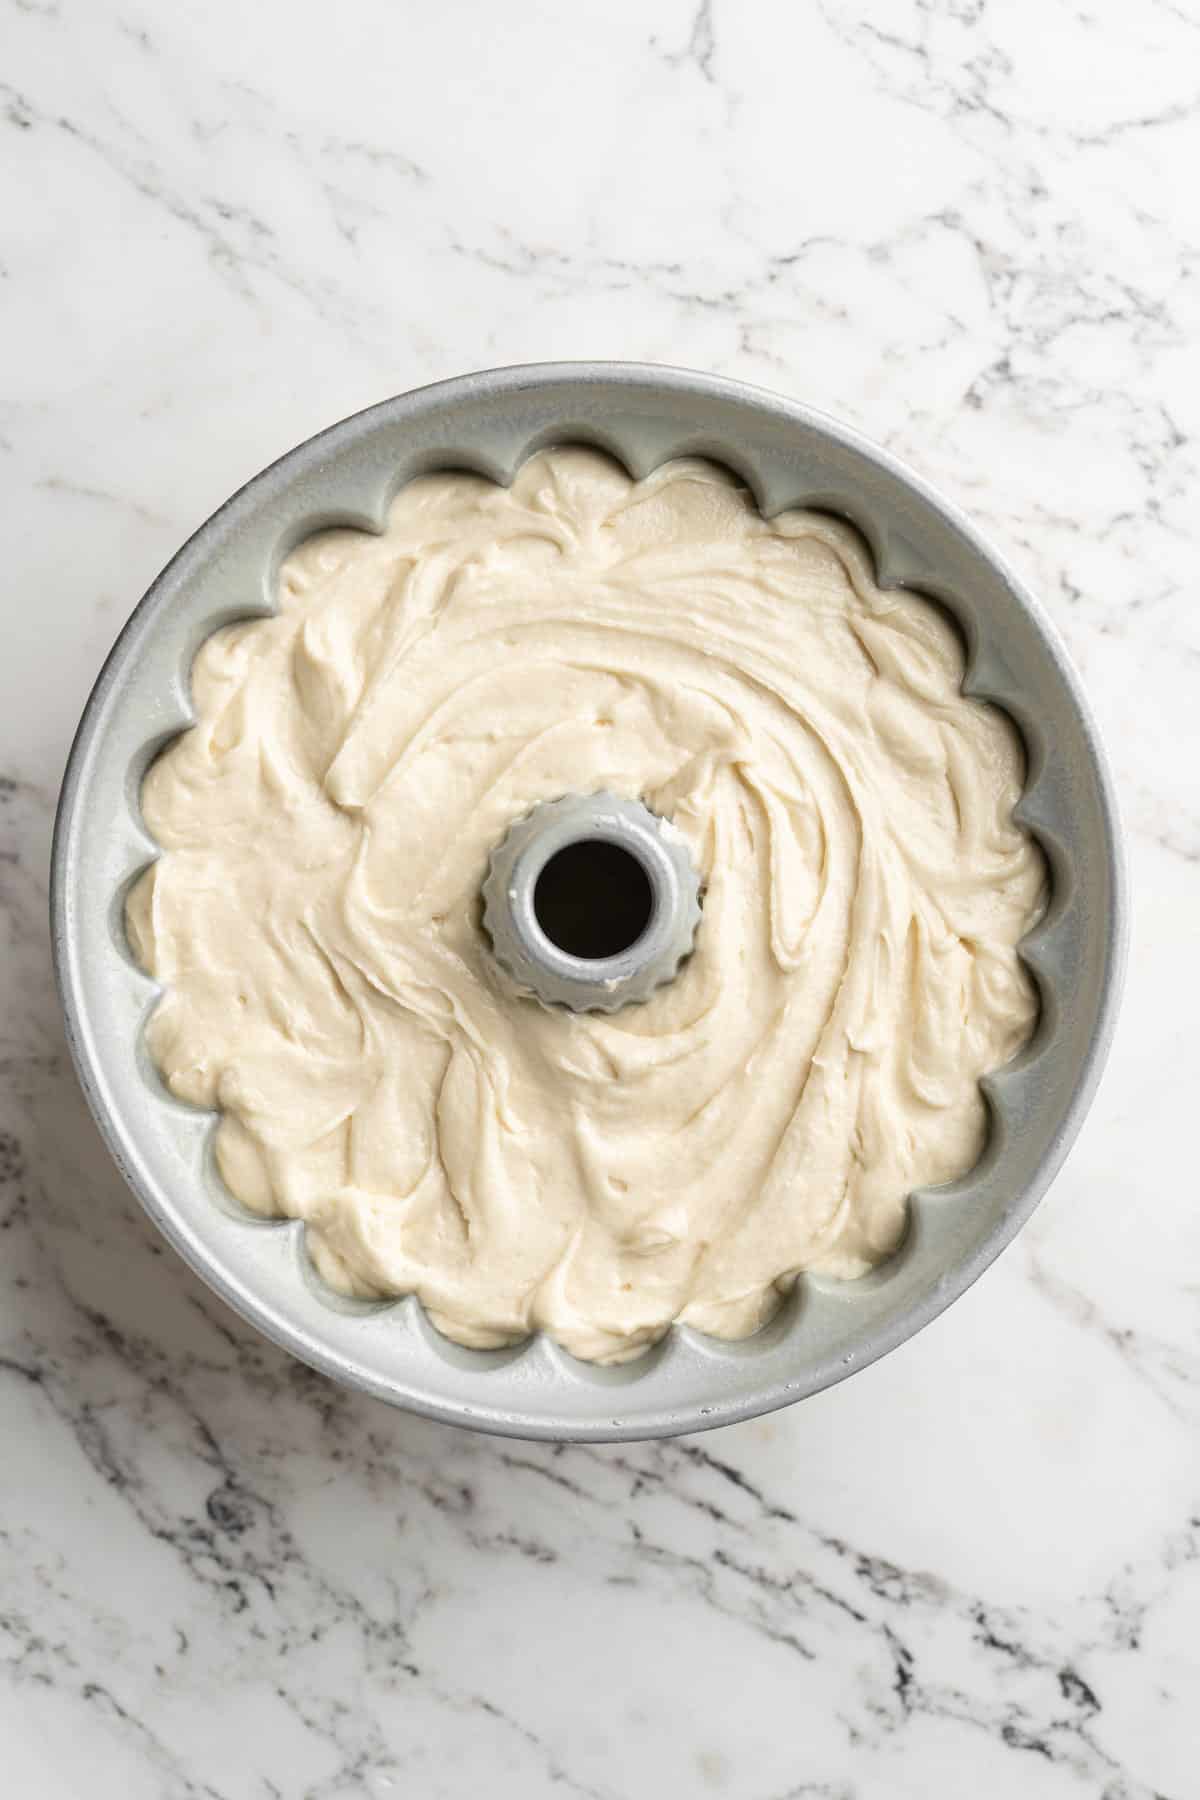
(326, 824)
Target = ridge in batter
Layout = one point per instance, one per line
(325, 827)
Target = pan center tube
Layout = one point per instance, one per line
(591, 902)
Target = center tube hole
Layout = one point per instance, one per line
(593, 899)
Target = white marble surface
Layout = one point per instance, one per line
(969, 227)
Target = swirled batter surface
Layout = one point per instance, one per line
(326, 825)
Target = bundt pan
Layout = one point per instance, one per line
(789, 456)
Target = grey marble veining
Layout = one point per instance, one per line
(971, 229)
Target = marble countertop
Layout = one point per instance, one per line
(970, 228)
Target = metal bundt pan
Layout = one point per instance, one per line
(789, 456)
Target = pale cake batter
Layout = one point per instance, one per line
(326, 826)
